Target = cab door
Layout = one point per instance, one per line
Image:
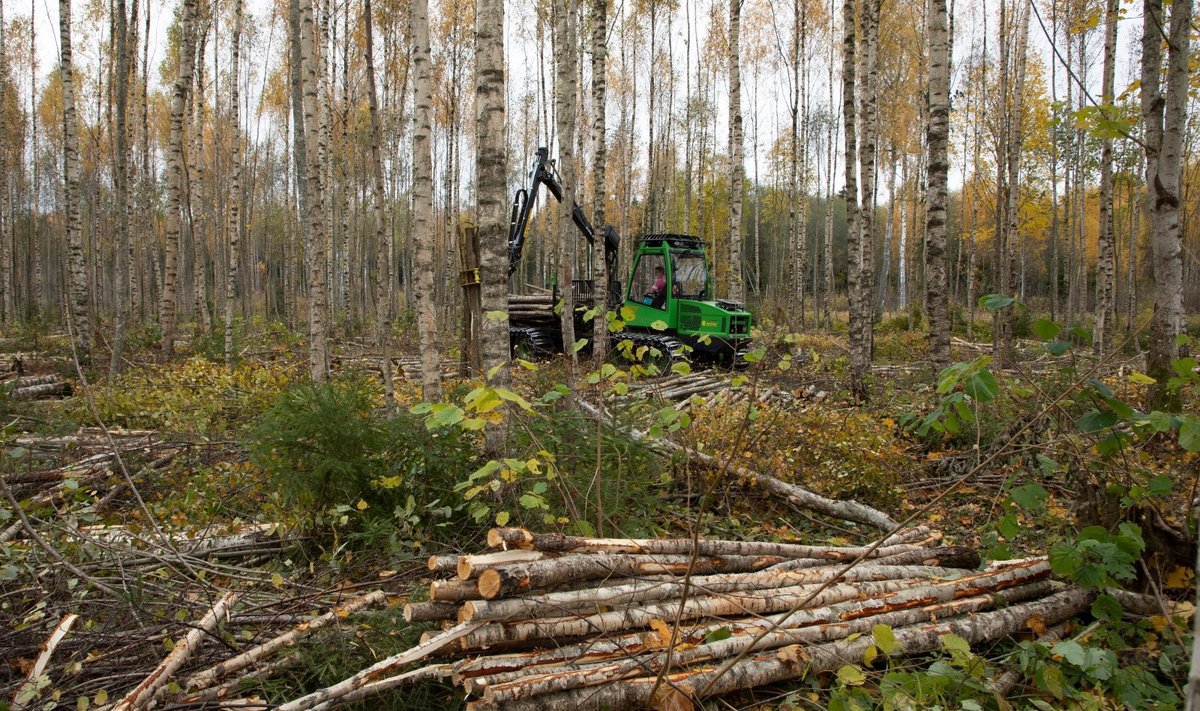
(649, 304)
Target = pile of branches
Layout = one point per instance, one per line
(712, 388)
(546, 621)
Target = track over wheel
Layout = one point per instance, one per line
(660, 353)
(530, 343)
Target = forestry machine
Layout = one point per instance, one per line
(669, 292)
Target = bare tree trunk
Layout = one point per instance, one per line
(737, 169)
(383, 281)
(490, 174)
(853, 235)
(566, 41)
(937, 135)
(315, 243)
(1164, 112)
(183, 83)
(79, 291)
(7, 280)
(424, 238)
(121, 188)
(599, 191)
(1102, 335)
(235, 188)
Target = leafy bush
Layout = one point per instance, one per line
(327, 450)
(194, 395)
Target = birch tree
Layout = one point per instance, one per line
(383, 280)
(1102, 334)
(937, 136)
(314, 251)
(1164, 112)
(599, 192)
(121, 186)
(737, 168)
(424, 237)
(77, 268)
(491, 168)
(566, 43)
(183, 82)
(235, 189)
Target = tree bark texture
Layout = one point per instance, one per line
(235, 178)
(937, 136)
(566, 42)
(80, 293)
(423, 233)
(737, 149)
(315, 253)
(599, 189)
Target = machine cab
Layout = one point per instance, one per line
(667, 269)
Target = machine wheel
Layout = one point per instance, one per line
(662, 351)
(530, 343)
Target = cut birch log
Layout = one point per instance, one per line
(380, 669)
(555, 542)
(454, 590)
(522, 577)
(25, 693)
(430, 611)
(144, 692)
(253, 655)
(442, 563)
(470, 566)
(797, 661)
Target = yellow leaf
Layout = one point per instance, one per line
(1037, 624)
(361, 505)
(277, 580)
(101, 697)
(1180, 578)
(662, 632)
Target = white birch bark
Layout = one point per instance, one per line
(423, 233)
(77, 270)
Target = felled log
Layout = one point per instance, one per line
(521, 577)
(25, 693)
(251, 656)
(183, 649)
(556, 542)
(796, 661)
(430, 611)
(470, 566)
(41, 392)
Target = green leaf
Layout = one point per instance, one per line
(983, 386)
(953, 643)
(681, 367)
(497, 315)
(1189, 433)
(658, 325)
(627, 313)
(1096, 420)
(851, 675)
(717, 635)
(502, 518)
(884, 638)
(1046, 329)
(755, 355)
(1030, 496)
(1057, 348)
(578, 345)
(995, 302)
(1106, 607)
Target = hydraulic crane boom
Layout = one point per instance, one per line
(525, 199)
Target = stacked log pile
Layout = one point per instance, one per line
(546, 621)
(711, 388)
(532, 308)
(37, 387)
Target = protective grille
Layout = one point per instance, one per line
(689, 317)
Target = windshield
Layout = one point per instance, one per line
(691, 275)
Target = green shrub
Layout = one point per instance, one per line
(326, 448)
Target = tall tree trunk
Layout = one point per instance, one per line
(318, 311)
(183, 82)
(737, 168)
(599, 191)
(424, 237)
(566, 41)
(858, 355)
(889, 231)
(1164, 111)
(7, 275)
(1102, 335)
(491, 169)
(79, 291)
(937, 136)
(121, 188)
(235, 188)
(383, 282)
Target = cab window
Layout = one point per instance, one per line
(648, 285)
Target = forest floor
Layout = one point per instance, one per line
(160, 524)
